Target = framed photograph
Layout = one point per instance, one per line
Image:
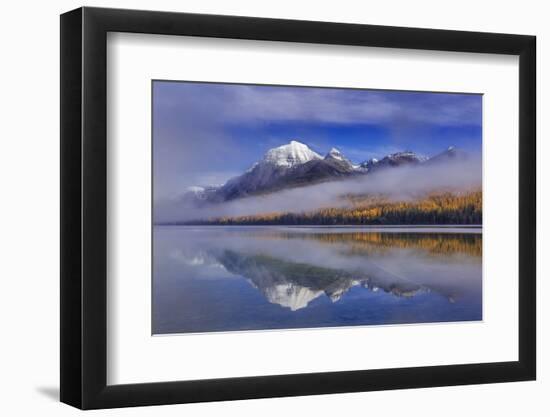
(257, 208)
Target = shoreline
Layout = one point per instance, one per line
(429, 228)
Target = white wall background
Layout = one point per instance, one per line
(29, 237)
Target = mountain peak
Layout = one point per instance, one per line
(335, 153)
(294, 164)
(291, 154)
(408, 156)
(451, 153)
(368, 164)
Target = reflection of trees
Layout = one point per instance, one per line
(364, 242)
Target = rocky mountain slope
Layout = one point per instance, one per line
(295, 164)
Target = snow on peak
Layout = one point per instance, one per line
(336, 154)
(195, 189)
(291, 154)
(402, 154)
(368, 164)
(451, 148)
(408, 155)
(291, 296)
(254, 165)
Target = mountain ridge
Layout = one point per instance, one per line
(295, 164)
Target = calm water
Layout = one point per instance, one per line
(208, 279)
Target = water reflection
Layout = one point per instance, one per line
(294, 285)
(237, 278)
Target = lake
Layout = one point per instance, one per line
(215, 278)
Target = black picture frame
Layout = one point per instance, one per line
(84, 207)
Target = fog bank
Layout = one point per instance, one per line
(400, 183)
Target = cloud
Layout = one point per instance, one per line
(400, 183)
(193, 122)
(238, 103)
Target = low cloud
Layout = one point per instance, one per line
(400, 183)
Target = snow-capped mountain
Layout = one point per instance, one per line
(196, 194)
(289, 284)
(337, 156)
(295, 164)
(290, 155)
(294, 285)
(290, 165)
(367, 165)
(450, 154)
(395, 160)
(266, 175)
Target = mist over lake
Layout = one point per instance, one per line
(213, 278)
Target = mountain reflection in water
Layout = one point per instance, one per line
(253, 278)
(294, 285)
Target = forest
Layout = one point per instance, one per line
(444, 208)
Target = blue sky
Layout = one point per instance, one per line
(205, 133)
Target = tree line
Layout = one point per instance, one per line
(444, 208)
